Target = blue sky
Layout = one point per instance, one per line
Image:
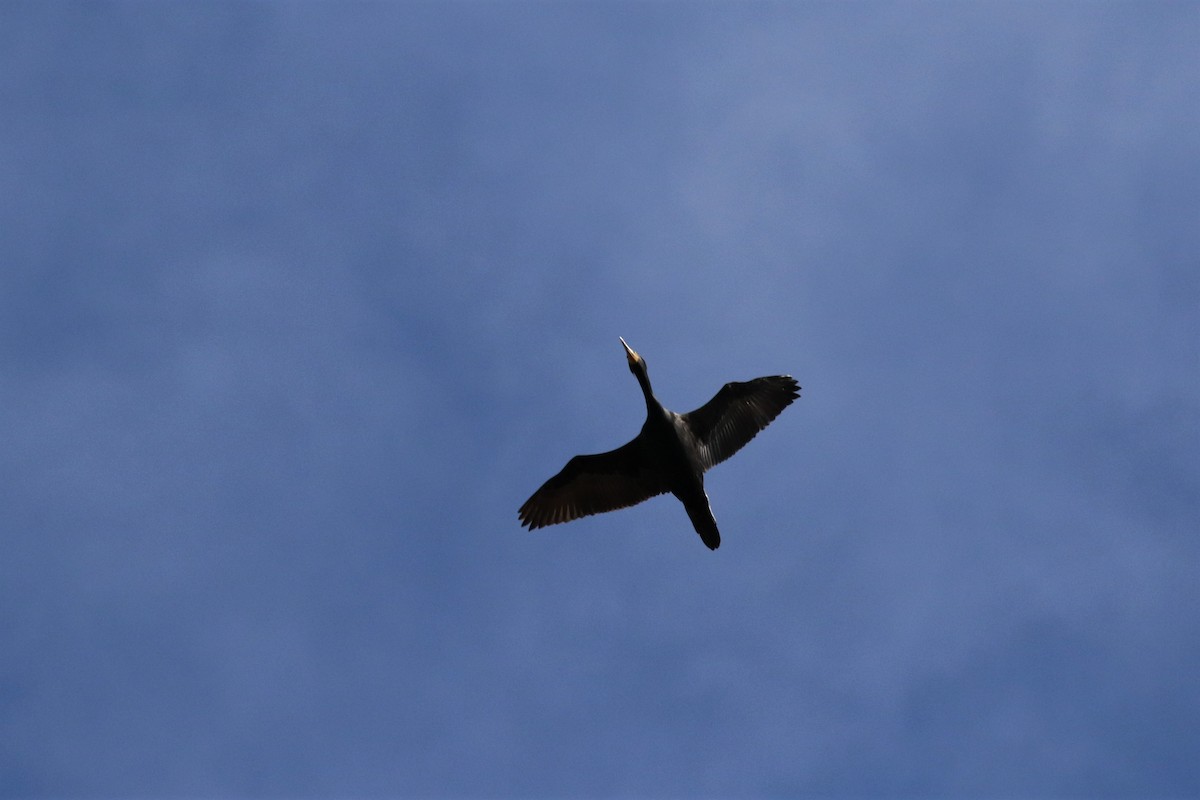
(301, 301)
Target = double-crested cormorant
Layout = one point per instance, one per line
(671, 454)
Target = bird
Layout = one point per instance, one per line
(670, 454)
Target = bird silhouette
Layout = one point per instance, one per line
(671, 454)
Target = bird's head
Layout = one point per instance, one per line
(636, 362)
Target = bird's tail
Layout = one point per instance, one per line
(704, 523)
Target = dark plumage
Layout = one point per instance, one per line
(671, 454)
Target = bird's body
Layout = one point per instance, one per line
(670, 454)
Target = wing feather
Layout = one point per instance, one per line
(736, 414)
(592, 484)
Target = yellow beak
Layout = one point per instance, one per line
(629, 352)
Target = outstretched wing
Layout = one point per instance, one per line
(591, 485)
(723, 425)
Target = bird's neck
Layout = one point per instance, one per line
(652, 403)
